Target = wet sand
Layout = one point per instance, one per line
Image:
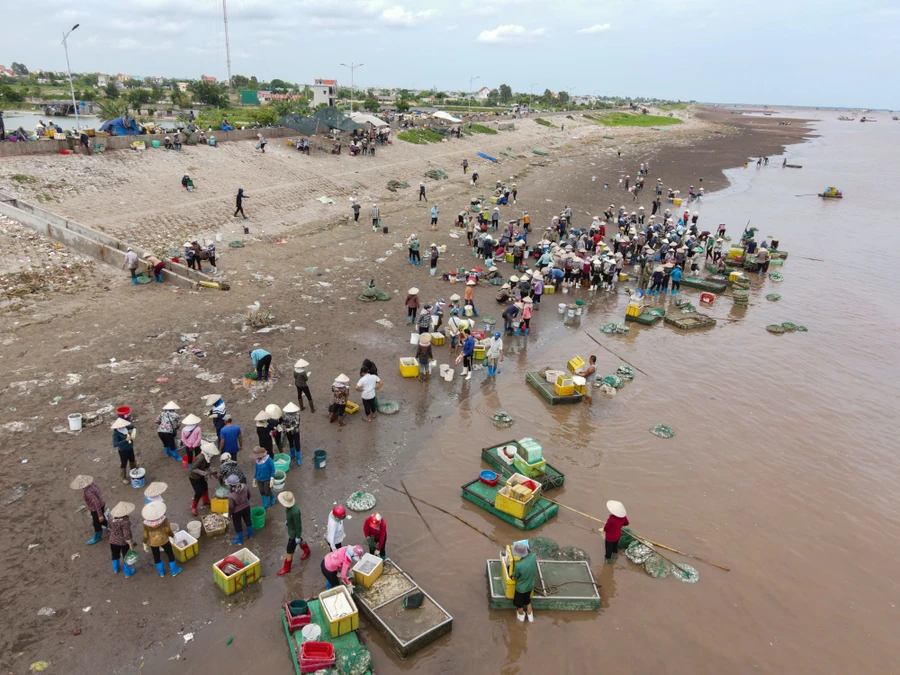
(702, 491)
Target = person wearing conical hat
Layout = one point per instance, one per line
(339, 393)
(412, 304)
(295, 531)
(504, 295)
(216, 411)
(167, 423)
(123, 434)
(612, 530)
(191, 437)
(90, 491)
(120, 539)
(424, 354)
(656, 281)
(263, 436)
(470, 296)
(155, 491)
(230, 438)
(263, 475)
(275, 425)
(524, 575)
(717, 249)
(157, 532)
(200, 471)
(301, 381)
(291, 423)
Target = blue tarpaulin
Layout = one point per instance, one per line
(481, 154)
(121, 126)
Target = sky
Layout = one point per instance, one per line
(768, 52)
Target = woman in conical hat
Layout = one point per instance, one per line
(167, 423)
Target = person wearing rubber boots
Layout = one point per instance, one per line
(198, 474)
(120, 539)
(239, 508)
(191, 438)
(524, 575)
(375, 532)
(295, 531)
(264, 476)
(301, 381)
(167, 423)
(336, 564)
(123, 441)
(335, 534)
(94, 501)
(216, 411)
(157, 532)
(291, 422)
(612, 530)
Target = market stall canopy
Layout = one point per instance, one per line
(441, 115)
(364, 118)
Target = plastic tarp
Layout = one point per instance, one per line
(335, 119)
(306, 126)
(121, 126)
(441, 115)
(363, 118)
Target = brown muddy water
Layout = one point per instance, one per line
(783, 467)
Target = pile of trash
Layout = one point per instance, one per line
(257, 317)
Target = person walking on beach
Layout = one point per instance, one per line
(412, 304)
(263, 475)
(434, 217)
(123, 441)
(465, 166)
(90, 492)
(120, 539)
(301, 381)
(355, 208)
(157, 532)
(239, 202)
(167, 423)
(295, 531)
(422, 192)
(376, 216)
(474, 178)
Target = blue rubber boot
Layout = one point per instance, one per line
(159, 278)
(161, 568)
(175, 455)
(96, 538)
(249, 532)
(129, 571)
(117, 565)
(675, 292)
(237, 541)
(327, 584)
(134, 282)
(174, 568)
(298, 458)
(527, 330)
(265, 501)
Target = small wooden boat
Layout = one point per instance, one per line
(576, 588)
(831, 193)
(546, 390)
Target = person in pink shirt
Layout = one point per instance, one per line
(527, 310)
(612, 530)
(191, 438)
(340, 560)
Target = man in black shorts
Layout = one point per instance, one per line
(524, 574)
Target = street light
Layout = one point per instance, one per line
(69, 69)
(352, 67)
(471, 93)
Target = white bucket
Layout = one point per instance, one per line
(448, 374)
(571, 313)
(278, 483)
(565, 289)
(469, 310)
(194, 527)
(578, 311)
(562, 308)
(75, 421)
(413, 338)
(218, 236)
(443, 369)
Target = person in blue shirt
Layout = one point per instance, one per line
(230, 439)
(557, 276)
(468, 352)
(263, 475)
(675, 276)
(434, 217)
(261, 361)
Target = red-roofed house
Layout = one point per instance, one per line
(208, 78)
(482, 94)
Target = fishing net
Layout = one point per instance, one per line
(388, 407)
(236, 244)
(802, 329)
(381, 295)
(354, 660)
(361, 501)
(638, 553)
(369, 292)
(788, 326)
(688, 309)
(605, 388)
(774, 297)
(394, 185)
(626, 539)
(656, 567)
(686, 573)
(614, 381)
(335, 119)
(543, 548)
(572, 554)
(436, 174)
(488, 320)
(775, 328)
(776, 277)
(658, 311)
(740, 297)
(625, 371)
(222, 492)
(662, 431)
(501, 420)
(615, 328)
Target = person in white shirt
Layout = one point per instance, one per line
(368, 384)
(494, 354)
(335, 534)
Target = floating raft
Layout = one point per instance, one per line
(484, 496)
(703, 284)
(545, 389)
(712, 269)
(690, 321)
(579, 593)
(407, 630)
(794, 166)
(550, 479)
(344, 642)
(649, 317)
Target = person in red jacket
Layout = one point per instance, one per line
(375, 532)
(613, 529)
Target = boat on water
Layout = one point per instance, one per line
(867, 119)
(831, 193)
(844, 118)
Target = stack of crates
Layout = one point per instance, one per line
(575, 363)
(564, 386)
(633, 309)
(531, 450)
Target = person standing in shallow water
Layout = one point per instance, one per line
(612, 530)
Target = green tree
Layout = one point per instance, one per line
(344, 93)
(563, 97)
(402, 105)
(111, 108)
(371, 105)
(180, 99)
(267, 114)
(547, 99)
(278, 86)
(505, 94)
(208, 93)
(112, 91)
(493, 97)
(157, 92)
(138, 97)
(132, 83)
(240, 82)
(36, 92)
(88, 95)
(78, 94)
(19, 68)
(10, 95)
(89, 80)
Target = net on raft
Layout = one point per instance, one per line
(625, 372)
(545, 548)
(662, 431)
(354, 660)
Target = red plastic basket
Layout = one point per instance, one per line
(315, 656)
(296, 623)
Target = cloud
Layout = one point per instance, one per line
(398, 16)
(171, 28)
(595, 29)
(510, 34)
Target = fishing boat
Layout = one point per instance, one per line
(485, 496)
(547, 390)
(549, 478)
(559, 584)
(831, 193)
(314, 615)
(844, 118)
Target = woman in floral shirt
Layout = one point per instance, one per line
(339, 393)
(168, 422)
(120, 539)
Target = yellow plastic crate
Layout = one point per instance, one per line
(676, 201)
(409, 367)
(623, 276)
(509, 257)
(549, 290)
(735, 276)
(217, 505)
(575, 363)
(508, 564)
(340, 625)
(184, 546)
(366, 580)
(351, 407)
(513, 507)
(563, 380)
(240, 579)
(735, 253)
(518, 478)
(479, 353)
(437, 339)
(561, 390)
(633, 309)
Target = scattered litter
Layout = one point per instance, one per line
(162, 379)
(662, 431)
(75, 556)
(385, 323)
(86, 609)
(229, 641)
(774, 297)
(46, 611)
(31, 547)
(188, 637)
(361, 501)
(39, 666)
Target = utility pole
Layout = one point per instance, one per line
(352, 67)
(227, 45)
(569, 94)
(69, 70)
(471, 93)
